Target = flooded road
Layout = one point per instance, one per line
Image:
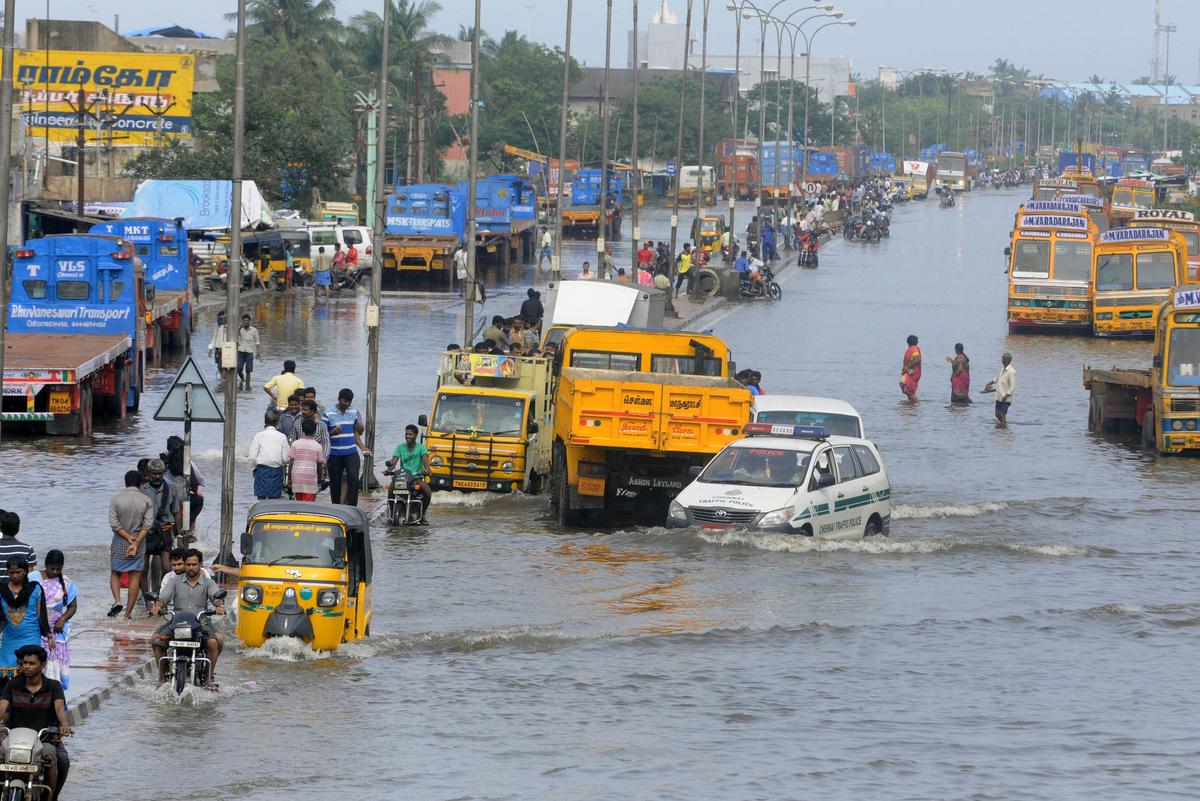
(1026, 632)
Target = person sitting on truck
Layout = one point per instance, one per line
(413, 457)
(495, 332)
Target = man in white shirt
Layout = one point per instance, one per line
(547, 251)
(1005, 385)
(460, 268)
(270, 451)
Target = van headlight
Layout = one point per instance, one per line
(779, 517)
(435, 461)
(252, 594)
(327, 598)
(677, 512)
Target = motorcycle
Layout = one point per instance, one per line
(218, 279)
(403, 505)
(22, 768)
(947, 201)
(809, 245)
(750, 291)
(186, 663)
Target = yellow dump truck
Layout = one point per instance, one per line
(635, 411)
(491, 423)
(1163, 401)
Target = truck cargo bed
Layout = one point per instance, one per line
(1126, 377)
(81, 354)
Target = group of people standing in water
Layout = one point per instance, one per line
(1004, 385)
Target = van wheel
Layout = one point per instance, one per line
(873, 528)
(806, 530)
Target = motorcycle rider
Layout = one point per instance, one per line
(192, 593)
(32, 701)
(413, 457)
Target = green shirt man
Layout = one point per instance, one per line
(411, 457)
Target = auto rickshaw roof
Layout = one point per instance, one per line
(352, 516)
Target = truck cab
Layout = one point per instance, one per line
(77, 329)
(425, 224)
(1134, 272)
(582, 216)
(491, 423)
(162, 247)
(1129, 196)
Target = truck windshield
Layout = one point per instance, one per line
(1072, 261)
(757, 467)
(1156, 270)
(1183, 358)
(478, 414)
(283, 542)
(1031, 258)
(843, 425)
(1114, 272)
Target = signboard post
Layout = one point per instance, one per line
(190, 400)
(670, 168)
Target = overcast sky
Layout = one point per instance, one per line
(1068, 39)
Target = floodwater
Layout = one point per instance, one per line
(1025, 633)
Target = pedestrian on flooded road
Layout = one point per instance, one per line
(460, 268)
(607, 265)
(214, 346)
(10, 527)
(130, 516)
(247, 350)
(23, 605)
(306, 456)
(270, 451)
(547, 251)
(910, 369)
(168, 506)
(345, 446)
(322, 264)
(960, 376)
(290, 417)
(586, 273)
(684, 273)
(61, 604)
(1005, 386)
(279, 388)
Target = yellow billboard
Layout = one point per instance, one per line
(127, 98)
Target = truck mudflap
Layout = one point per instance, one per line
(641, 486)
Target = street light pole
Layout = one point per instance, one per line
(556, 261)
(605, 230)
(233, 286)
(378, 204)
(687, 40)
(472, 190)
(635, 174)
(700, 155)
(731, 181)
(6, 90)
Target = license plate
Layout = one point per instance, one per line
(184, 644)
(591, 486)
(60, 402)
(465, 484)
(10, 768)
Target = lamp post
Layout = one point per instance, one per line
(731, 180)
(6, 89)
(635, 174)
(556, 260)
(604, 122)
(808, 40)
(687, 41)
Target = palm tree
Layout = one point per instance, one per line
(311, 22)
(510, 42)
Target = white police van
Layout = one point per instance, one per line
(796, 479)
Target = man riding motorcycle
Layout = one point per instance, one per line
(191, 592)
(32, 701)
(413, 457)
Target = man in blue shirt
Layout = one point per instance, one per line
(742, 265)
(345, 445)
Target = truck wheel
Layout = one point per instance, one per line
(1149, 435)
(562, 490)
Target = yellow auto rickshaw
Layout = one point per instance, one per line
(712, 228)
(306, 573)
(270, 251)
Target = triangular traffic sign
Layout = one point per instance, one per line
(204, 405)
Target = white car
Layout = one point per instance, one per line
(794, 479)
(327, 235)
(839, 417)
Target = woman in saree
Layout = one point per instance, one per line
(960, 375)
(910, 369)
(22, 612)
(61, 604)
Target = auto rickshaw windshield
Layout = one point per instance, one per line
(285, 542)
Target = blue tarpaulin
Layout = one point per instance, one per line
(201, 204)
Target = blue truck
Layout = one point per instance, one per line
(425, 223)
(162, 247)
(77, 332)
(505, 218)
(582, 216)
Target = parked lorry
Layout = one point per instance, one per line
(425, 224)
(635, 412)
(689, 185)
(582, 216)
(77, 341)
(491, 424)
(161, 246)
(505, 218)
(1163, 402)
(737, 176)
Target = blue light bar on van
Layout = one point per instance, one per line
(775, 430)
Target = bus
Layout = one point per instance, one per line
(1134, 272)
(1175, 220)
(1050, 268)
(336, 212)
(1129, 196)
(952, 171)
